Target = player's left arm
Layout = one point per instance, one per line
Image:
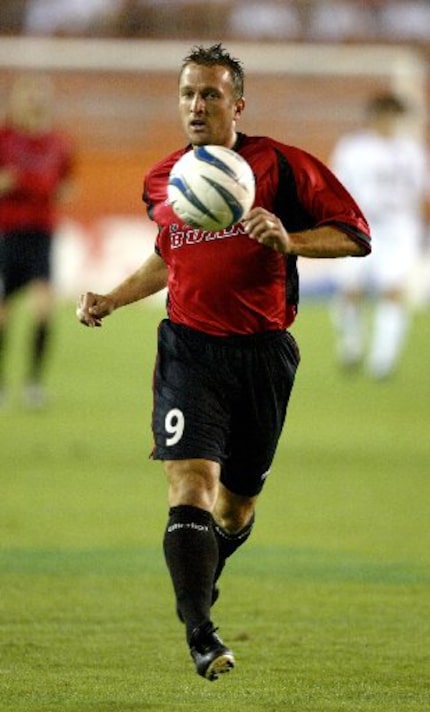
(333, 224)
(324, 241)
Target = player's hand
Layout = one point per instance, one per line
(92, 308)
(266, 228)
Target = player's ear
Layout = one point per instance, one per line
(239, 107)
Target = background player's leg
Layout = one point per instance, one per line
(349, 323)
(41, 303)
(390, 325)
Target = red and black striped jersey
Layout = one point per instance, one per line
(223, 282)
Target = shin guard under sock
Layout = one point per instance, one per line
(191, 553)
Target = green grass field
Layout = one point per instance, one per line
(327, 607)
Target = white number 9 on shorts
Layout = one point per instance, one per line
(174, 424)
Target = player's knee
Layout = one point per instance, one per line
(192, 482)
(237, 521)
(233, 512)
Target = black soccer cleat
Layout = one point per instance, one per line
(211, 657)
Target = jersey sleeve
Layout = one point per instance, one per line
(326, 199)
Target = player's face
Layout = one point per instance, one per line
(207, 105)
(30, 107)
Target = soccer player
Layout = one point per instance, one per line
(226, 362)
(384, 167)
(35, 171)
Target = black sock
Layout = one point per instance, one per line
(191, 555)
(38, 352)
(229, 543)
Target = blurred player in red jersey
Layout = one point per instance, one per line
(35, 171)
(226, 362)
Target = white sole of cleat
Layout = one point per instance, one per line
(224, 663)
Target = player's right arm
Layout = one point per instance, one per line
(150, 278)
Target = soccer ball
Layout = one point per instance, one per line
(211, 187)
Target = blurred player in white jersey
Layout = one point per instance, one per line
(384, 168)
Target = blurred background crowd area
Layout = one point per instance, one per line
(311, 66)
(294, 20)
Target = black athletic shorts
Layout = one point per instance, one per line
(24, 257)
(222, 399)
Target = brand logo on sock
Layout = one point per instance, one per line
(187, 525)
